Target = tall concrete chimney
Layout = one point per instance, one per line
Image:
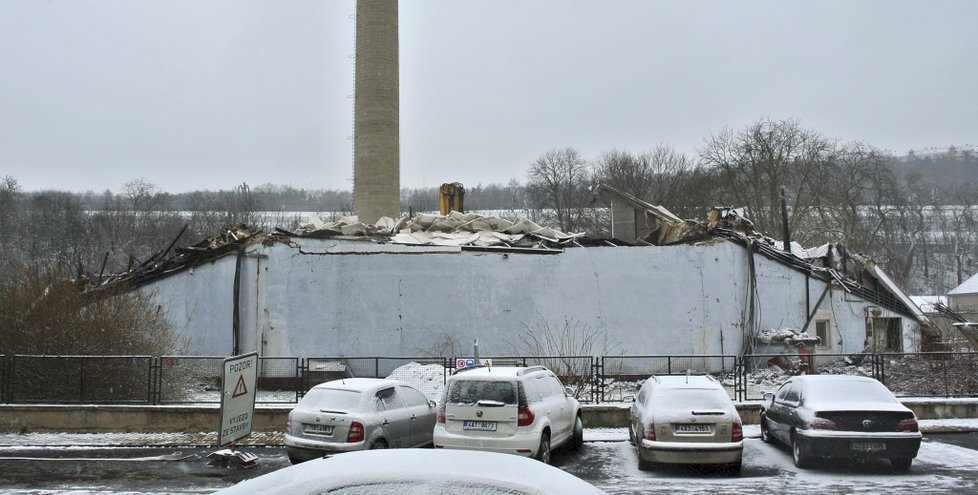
(376, 120)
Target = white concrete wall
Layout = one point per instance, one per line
(347, 298)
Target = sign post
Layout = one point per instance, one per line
(238, 385)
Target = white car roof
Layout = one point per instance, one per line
(498, 372)
(362, 384)
(439, 467)
(683, 381)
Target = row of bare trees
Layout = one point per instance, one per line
(923, 231)
(920, 225)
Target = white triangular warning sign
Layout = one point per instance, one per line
(240, 389)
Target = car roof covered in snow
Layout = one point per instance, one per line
(684, 381)
(500, 372)
(421, 470)
(361, 384)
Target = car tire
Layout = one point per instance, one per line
(644, 465)
(733, 469)
(801, 459)
(765, 431)
(380, 443)
(577, 439)
(631, 435)
(901, 464)
(294, 460)
(543, 451)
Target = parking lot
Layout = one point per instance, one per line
(945, 464)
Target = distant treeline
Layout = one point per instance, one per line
(917, 216)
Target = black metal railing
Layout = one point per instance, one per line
(284, 380)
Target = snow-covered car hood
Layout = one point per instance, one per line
(430, 468)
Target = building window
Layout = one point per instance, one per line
(824, 333)
(885, 334)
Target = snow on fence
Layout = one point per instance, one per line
(284, 380)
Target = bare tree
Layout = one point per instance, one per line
(661, 176)
(756, 162)
(559, 181)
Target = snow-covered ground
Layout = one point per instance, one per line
(939, 468)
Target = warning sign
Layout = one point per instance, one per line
(241, 388)
(238, 398)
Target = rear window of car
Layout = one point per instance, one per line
(696, 398)
(472, 391)
(846, 391)
(332, 399)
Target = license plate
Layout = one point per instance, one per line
(688, 428)
(479, 425)
(317, 429)
(867, 446)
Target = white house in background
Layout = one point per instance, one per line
(963, 299)
(323, 293)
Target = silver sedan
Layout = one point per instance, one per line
(358, 414)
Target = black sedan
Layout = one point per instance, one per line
(835, 416)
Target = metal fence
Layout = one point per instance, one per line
(284, 380)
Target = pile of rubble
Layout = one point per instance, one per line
(454, 229)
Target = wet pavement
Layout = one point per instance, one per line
(945, 464)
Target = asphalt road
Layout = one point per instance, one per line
(945, 464)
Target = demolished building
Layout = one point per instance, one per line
(429, 283)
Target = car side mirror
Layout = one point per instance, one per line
(431, 404)
(628, 398)
(568, 392)
(769, 396)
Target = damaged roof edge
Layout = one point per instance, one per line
(898, 302)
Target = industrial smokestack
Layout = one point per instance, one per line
(376, 120)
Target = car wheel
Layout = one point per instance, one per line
(543, 451)
(631, 435)
(765, 431)
(733, 469)
(379, 444)
(801, 459)
(901, 464)
(577, 440)
(294, 460)
(644, 465)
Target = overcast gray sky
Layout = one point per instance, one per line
(193, 94)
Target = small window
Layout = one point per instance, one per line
(556, 389)
(412, 397)
(390, 399)
(823, 331)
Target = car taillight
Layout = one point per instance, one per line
(524, 416)
(738, 433)
(440, 413)
(822, 424)
(650, 432)
(907, 425)
(356, 432)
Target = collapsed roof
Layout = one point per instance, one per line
(851, 272)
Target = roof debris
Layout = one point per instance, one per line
(831, 263)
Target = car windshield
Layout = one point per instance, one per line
(693, 398)
(472, 391)
(838, 391)
(331, 399)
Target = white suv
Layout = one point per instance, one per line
(523, 411)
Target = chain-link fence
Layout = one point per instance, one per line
(620, 377)
(284, 380)
(77, 379)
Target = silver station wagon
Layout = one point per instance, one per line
(358, 414)
(686, 420)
